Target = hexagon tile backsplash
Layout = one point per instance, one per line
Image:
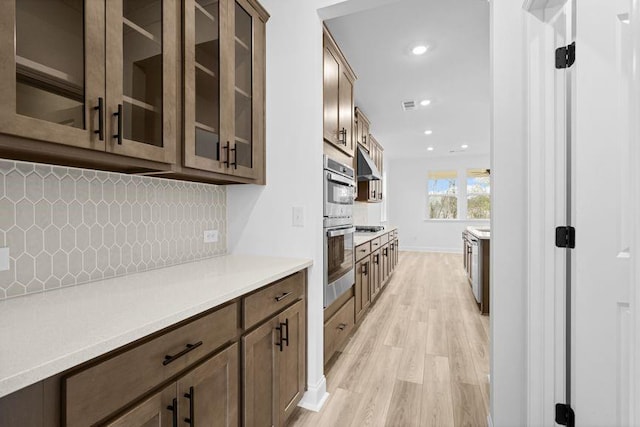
(66, 226)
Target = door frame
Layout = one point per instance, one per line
(545, 297)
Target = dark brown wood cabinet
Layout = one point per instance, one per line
(207, 395)
(99, 75)
(102, 86)
(224, 46)
(362, 124)
(371, 191)
(362, 287)
(189, 371)
(376, 276)
(338, 111)
(274, 368)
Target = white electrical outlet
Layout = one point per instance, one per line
(210, 236)
(4, 259)
(298, 216)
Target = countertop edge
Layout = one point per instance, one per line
(370, 236)
(25, 378)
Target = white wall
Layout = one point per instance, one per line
(407, 192)
(509, 183)
(260, 218)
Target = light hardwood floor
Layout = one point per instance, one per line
(419, 358)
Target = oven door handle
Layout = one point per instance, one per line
(340, 179)
(341, 232)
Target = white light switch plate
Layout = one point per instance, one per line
(4, 259)
(298, 216)
(210, 236)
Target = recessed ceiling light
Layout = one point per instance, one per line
(429, 148)
(419, 50)
(428, 132)
(464, 146)
(425, 102)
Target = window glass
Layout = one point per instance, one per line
(478, 194)
(442, 195)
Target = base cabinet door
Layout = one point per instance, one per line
(375, 274)
(208, 395)
(260, 360)
(161, 410)
(275, 368)
(385, 263)
(292, 370)
(362, 287)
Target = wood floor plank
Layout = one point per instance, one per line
(411, 367)
(437, 405)
(404, 409)
(436, 334)
(468, 405)
(419, 357)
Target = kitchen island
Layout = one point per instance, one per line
(476, 260)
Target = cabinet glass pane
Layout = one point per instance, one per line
(207, 71)
(243, 88)
(142, 73)
(50, 60)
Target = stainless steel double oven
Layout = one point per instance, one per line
(339, 192)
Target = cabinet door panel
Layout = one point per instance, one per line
(141, 67)
(153, 412)
(260, 360)
(202, 50)
(246, 127)
(52, 74)
(331, 71)
(209, 393)
(292, 369)
(345, 107)
(362, 287)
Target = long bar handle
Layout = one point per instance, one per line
(192, 398)
(118, 114)
(100, 109)
(189, 347)
(174, 412)
(283, 296)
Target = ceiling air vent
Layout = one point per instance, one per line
(408, 105)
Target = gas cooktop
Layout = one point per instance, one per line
(369, 228)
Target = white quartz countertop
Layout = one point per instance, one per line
(482, 233)
(365, 236)
(44, 334)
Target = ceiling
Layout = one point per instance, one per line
(453, 74)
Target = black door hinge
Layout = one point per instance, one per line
(566, 56)
(565, 415)
(566, 237)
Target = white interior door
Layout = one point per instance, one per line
(603, 331)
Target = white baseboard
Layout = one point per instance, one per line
(315, 396)
(489, 421)
(430, 249)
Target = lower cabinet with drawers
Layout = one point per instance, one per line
(375, 260)
(242, 363)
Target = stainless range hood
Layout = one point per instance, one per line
(367, 169)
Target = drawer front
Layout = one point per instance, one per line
(338, 328)
(273, 298)
(375, 244)
(363, 250)
(99, 390)
(384, 239)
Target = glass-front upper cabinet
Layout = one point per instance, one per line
(224, 86)
(141, 73)
(52, 75)
(202, 85)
